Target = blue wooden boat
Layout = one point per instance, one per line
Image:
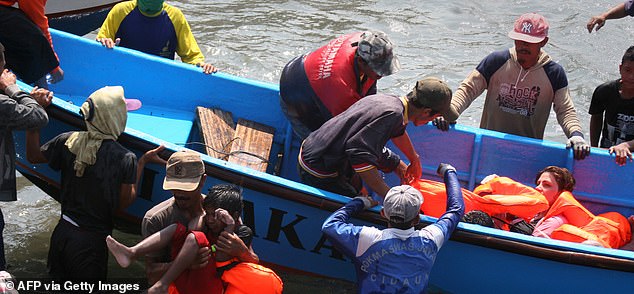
(286, 215)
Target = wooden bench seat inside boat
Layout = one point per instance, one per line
(248, 145)
(217, 128)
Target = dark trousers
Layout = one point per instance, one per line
(77, 254)
(341, 185)
(27, 51)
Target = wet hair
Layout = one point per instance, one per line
(225, 196)
(563, 177)
(629, 55)
(478, 217)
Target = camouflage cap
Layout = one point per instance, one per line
(375, 48)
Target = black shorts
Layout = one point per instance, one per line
(77, 254)
(27, 52)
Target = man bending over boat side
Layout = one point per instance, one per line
(153, 27)
(321, 84)
(18, 111)
(353, 142)
(185, 178)
(523, 83)
(99, 177)
(397, 259)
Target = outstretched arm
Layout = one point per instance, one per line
(129, 191)
(455, 201)
(404, 143)
(344, 235)
(598, 21)
(33, 153)
(373, 179)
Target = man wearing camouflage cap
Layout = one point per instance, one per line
(316, 86)
(397, 259)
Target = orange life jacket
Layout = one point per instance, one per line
(246, 277)
(500, 195)
(611, 229)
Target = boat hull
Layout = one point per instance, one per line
(287, 215)
(78, 17)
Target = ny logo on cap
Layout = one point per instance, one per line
(178, 170)
(527, 27)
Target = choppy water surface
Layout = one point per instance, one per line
(255, 39)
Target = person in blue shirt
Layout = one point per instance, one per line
(397, 259)
(153, 27)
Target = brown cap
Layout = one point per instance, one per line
(432, 93)
(184, 170)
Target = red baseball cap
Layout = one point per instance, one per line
(530, 27)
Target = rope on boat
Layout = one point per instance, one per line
(226, 154)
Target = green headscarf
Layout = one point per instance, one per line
(107, 122)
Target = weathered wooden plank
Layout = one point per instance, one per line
(217, 130)
(252, 144)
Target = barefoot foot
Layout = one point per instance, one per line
(121, 253)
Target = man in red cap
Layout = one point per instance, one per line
(523, 83)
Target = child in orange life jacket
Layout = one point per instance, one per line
(237, 277)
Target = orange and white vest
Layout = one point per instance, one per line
(611, 229)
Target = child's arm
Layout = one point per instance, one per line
(232, 245)
(226, 218)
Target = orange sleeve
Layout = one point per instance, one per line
(34, 9)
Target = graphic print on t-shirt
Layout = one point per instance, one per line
(515, 100)
(624, 129)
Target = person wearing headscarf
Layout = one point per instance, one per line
(98, 177)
